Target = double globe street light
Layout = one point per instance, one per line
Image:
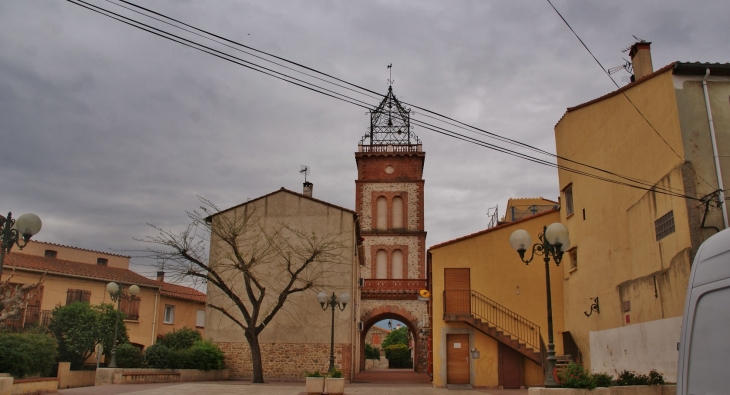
(553, 243)
(330, 302)
(15, 230)
(117, 293)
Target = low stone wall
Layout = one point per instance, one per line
(623, 390)
(68, 378)
(6, 384)
(35, 386)
(106, 376)
(286, 361)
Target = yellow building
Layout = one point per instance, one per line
(75, 274)
(489, 314)
(297, 339)
(633, 247)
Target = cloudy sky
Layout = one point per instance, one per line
(106, 128)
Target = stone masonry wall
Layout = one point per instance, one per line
(412, 205)
(285, 361)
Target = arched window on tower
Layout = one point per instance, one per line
(381, 264)
(397, 266)
(398, 212)
(381, 213)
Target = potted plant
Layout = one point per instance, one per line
(315, 382)
(334, 382)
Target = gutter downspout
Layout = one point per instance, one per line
(154, 319)
(714, 149)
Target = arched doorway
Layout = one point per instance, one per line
(391, 313)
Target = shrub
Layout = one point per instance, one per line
(656, 378)
(371, 352)
(158, 356)
(336, 374)
(316, 373)
(575, 376)
(129, 356)
(396, 336)
(27, 354)
(203, 355)
(603, 379)
(180, 339)
(399, 356)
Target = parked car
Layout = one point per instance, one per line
(704, 348)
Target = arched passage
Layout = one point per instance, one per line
(383, 313)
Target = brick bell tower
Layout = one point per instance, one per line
(389, 201)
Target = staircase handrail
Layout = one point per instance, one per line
(505, 319)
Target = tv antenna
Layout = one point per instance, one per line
(304, 169)
(626, 66)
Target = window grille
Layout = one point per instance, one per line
(50, 254)
(102, 261)
(664, 226)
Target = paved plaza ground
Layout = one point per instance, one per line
(387, 382)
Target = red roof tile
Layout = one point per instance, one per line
(97, 272)
(181, 292)
(78, 248)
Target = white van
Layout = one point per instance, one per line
(704, 348)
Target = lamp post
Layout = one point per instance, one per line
(15, 230)
(330, 302)
(553, 243)
(116, 293)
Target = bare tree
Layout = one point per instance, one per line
(256, 268)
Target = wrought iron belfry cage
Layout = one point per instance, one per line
(390, 124)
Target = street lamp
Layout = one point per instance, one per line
(330, 302)
(553, 243)
(13, 230)
(116, 293)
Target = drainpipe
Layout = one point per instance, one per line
(154, 317)
(714, 149)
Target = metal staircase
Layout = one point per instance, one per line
(494, 320)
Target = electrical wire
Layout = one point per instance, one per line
(623, 92)
(357, 102)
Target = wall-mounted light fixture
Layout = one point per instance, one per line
(594, 307)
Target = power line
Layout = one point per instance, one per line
(623, 92)
(478, 130)
(357, 102)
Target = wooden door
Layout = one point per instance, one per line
(510, 368)
(457, 289)
(457, 359)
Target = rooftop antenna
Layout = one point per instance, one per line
(390, 72)
(305, 170)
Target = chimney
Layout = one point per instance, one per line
(308, 186)
(641, 59)
(161, 276)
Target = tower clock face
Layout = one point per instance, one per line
(389, 169)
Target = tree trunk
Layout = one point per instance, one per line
(253, 344)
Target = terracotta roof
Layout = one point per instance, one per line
(282, 190)
(63, 267)
(181, 292)
(77, 248)
(481, 232)
(101, 273)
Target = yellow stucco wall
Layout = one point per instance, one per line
(496, 272)
(185, 315)
(74, 254)
(612, 226)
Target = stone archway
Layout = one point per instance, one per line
(370, 318)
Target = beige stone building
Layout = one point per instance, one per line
(633, 246)
(297, 339)
(76, 274)
(489, 316)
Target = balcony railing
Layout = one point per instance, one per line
(391, 148)
(392, 288)
(31, 316)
